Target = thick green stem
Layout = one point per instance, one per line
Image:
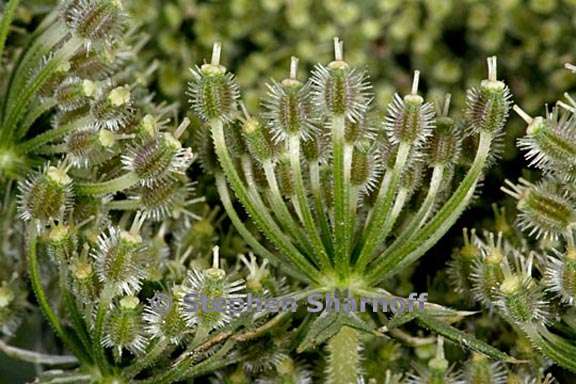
(374, 233)
(261, 217)
(428, 235)
(319, 251)
(111, 186)
(344, 359)
(341, 175)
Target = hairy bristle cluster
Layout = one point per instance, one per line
(546, 209)
(163, 200)
(113, 109)
(119, 260)
(409, 119)
(47, 195)
(74, 93)
(208, 297)
(488, 106)
(95, 21)
(163, 318)
(289, 109)
(550, 144)
(213, 91)
(157, 159)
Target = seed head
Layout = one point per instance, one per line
(257, 139)
(520, 297)
(288, 107)
(97, 22)
(546, 210)
(560, 275)
(158, 159)
(124, 329)
(366, 166)
(46, 196)
(213, 91)
(163, 318)
(550, 144)
(74, 93)
(163, 200)
(89, 146)
(119, 259)
(211, 284)
(113, 109)
(338, 89)
(409, 119)
(487, 107)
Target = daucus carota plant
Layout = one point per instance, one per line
(328, 183)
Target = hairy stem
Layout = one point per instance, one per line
(374, 234)
(36, 281)
(261, 217)
(344, 359)
(428, 235)
(111, 186)
(36, 357)
(341, 174)
(308, 220)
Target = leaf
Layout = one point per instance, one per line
(460, 337)
(328, 324)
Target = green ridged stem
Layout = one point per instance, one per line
(421, 215)
(341, 164)
(428, 235)
(111, 186)
(320, 254)
(7, 16)
(320, 206)
(104, 303)
(147, 360)
(16, 111)
(374, 235)
(281, 210)
(36, 281)
(258, 248)
(261, 217)
(344, 359)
